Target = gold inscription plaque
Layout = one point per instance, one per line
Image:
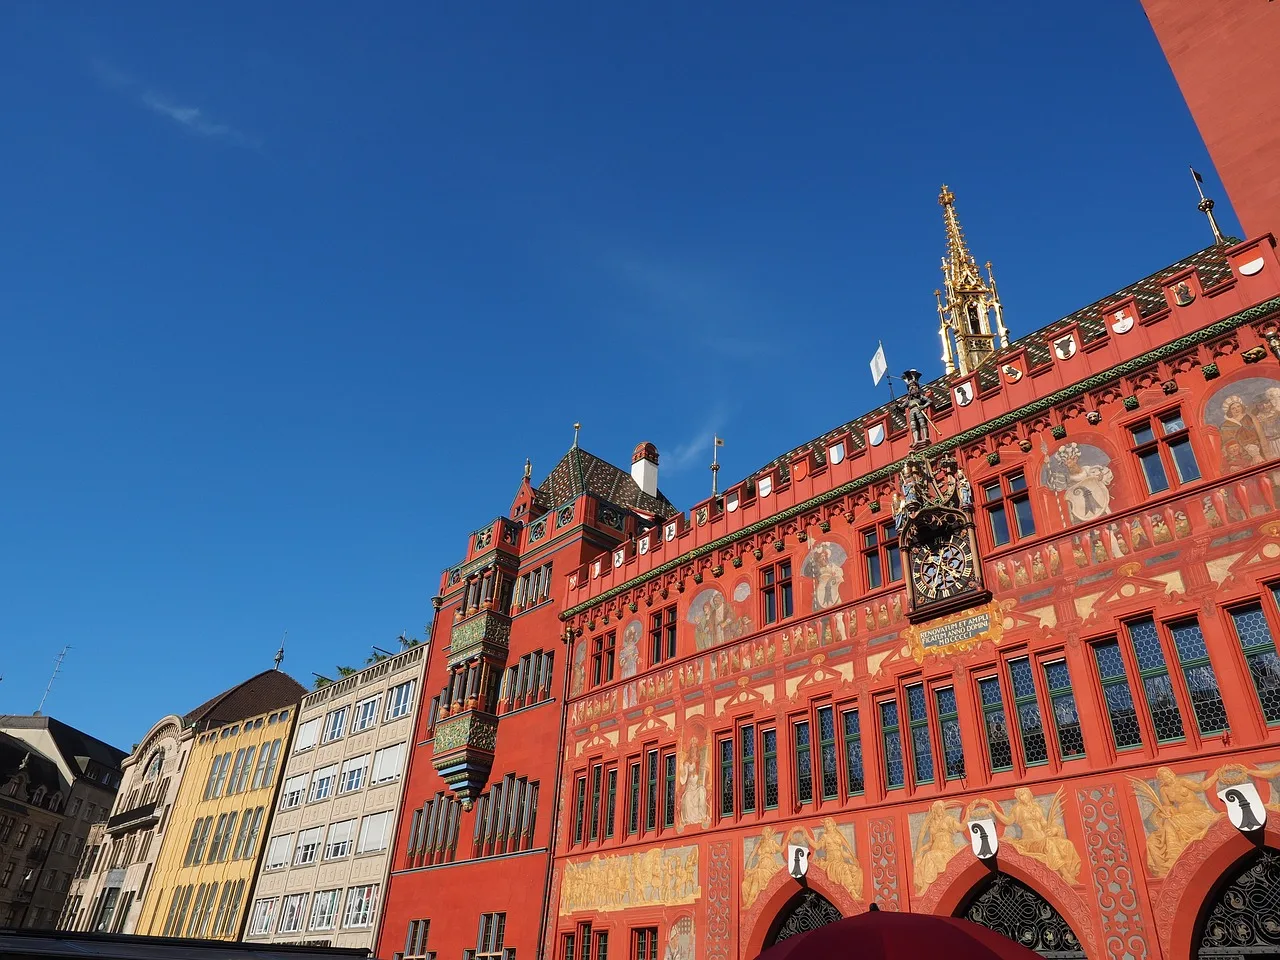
(956, 632)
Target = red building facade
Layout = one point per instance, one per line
(1005, 650)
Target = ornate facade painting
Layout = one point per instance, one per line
(1245, 417)
(1175, 813)
(714, 619)
(936, 836)
(1080, 474)
(629, 653)
(693, 777)
(833, 847)
(824, 566)
(579, 681)
(1035, 827)
(658, 877)
(680, 941)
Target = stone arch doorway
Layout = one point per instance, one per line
(1013, 909)
(1242, 915)
(807, 910)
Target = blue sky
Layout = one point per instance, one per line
(291, 290)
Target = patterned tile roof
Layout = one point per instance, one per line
(269, 690)
(1211, 263)
(580, 472)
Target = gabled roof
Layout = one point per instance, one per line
(269, 690)
(1213, 268)
(77, 747)
(579, 472)
(40, 770)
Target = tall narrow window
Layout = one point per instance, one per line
(830, 771)
(769, 756)
(1062, 703)
(669, 790)
(999, 750)
(1030, 724)
(1008, 506)
(894, 771)
(949, 725)
(651, 794)
(726, 777)
(579, 809)
(1163, 448)
(776, 592)
(669, 625)
(748, 737)
(1125, 729)
(645, 943)
(1154, 675)
(804, 763)
(633, 789)
(1202, 683)
(921, 744)
(611, 802)
(597, 776)
(852, 752)
(1259, 648)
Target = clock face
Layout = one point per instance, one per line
(943, 569)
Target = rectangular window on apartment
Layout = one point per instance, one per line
(366, 713)
(294, 789)
(247, 839)
(725, 751)
(921, 740)
(292, 910)
(415, 941)
(949, 726)
(236, 767)
(323, 784)
(387, 764)
(1062, 705)
(400, 700)
(307, 735)
(324, 909)
(891, 736)
(375, 832)
(353, 773)
(223, 847)
(804, 762)
(189, 859)
(1258, 645)
(204, 839)
(828, 770)
(335, 725)
(308, 846)
(341, 836)
(999, 749)
(747, 741)
(1035, 749)
(669, 790)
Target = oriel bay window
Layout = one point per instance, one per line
(1163, 448)
(881, 558)
(776, 592)
(1008, 508)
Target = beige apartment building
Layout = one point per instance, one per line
(325, 864)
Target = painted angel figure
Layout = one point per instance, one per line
(1042, 836)
(837, 856)
(935, 845)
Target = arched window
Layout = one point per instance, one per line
(1015, 910)
(1242, 917)
(154, 766)
(38, 797)
(806, 911)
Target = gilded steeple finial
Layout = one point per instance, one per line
(965, 315)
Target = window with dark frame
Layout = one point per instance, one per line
(610, 801)
(891, 736)
(1198, 675)
(1062, 705)
(769, 757)
(651, 794)
(881, 556)
(603, 657)
(644, 943)
(949, 727)
(725, 749)
(776, 592)
(747, 736)
(921, 739)
(1163, 448)
(579, 808)
(1008, 508)
(1154, 681)
(662, 635)
(1257, 644)
(1035, 749)
(669, 789)
(804, 762)
(853, 775)
(597, 782)
(633, 789)
(828, 769)
(1126, 731)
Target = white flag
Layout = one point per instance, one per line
(879, 366)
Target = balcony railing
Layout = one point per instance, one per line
(140, 816)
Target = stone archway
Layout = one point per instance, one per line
(1011, 908)
(807, 910)
(1242, 916)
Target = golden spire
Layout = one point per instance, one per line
(965, 316)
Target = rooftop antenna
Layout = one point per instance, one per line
(57, 665)
(576, 427)
(715, 465)
(280, 653)
(1205, 206)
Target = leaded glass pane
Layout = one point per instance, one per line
(997, 726)
(853, 751)
(1254, 634)
(827, 741)
(895, 774)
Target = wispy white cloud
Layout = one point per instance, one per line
(695, 450)
(192, 119)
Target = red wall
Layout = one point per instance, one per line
(1223, 56)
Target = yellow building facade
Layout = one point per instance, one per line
(213, 844)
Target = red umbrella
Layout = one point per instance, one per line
(880, 935)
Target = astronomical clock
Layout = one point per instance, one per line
(934, 514)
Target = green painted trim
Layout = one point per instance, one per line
(1039, 405)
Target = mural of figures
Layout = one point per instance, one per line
(761, 858)
(1246, 416)
(824, 565)
(1175, 813)
(680, 943)
(658, 877)
(938, 836)
(629, 655)
(693, 775)
(714, 620)
(1080, 474)
(833, 848)
(1036, 828)
(579, 681)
